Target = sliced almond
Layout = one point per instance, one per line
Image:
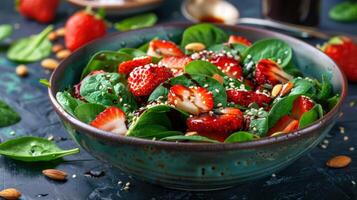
(286, 88)
(63, 54)
(191, 133)
(52, 36)
(276, 90)
(49, 63)
(277, 133)
(55, 174)
(195, 46)
(61, 31)
(22, 70)
(57, 47)
(339, 161)
(10, 194)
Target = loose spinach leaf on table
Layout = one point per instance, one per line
(5, 31)
(202, 67)
(193, 138)
(212, 85)
(68, 102)
(7, 115)
(33, 149)
(207, 34)
(274, 49)
(31, 49)
(345, 11)
(311, 116)
(240, 136)
(105, 60)
(282, 107)
(158, 122)
(87, 112)
(136, 22)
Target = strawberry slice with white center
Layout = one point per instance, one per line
(158, 48)
(268, 71)
(235, 39)
(228, 65)
(111, 119)
(194, 100)
(176, 64)
(128, 66)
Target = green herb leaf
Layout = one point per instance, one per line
(105, 60)
(8, 115)
(240, 136)
(5, 31)
(207, 34)
(202, 67)
(325, 90)
(45, 82)
(311, 116)
(31, 49)
(282, 107)
(68, 103)
(87, 112)
(345, 11)
(234, 49)
(193, 138)
(331, 102)
(258, 121)
(132, 52)
(136, 22)
(33, 149)
(303, 87)
(273, 49)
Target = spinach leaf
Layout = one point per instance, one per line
(193, 138)
(33, 149)
(68, 103)
(325, 89)
(240, 136)
(105, 60)
(345, 11)
(311, 116)
(331, 102)
(45, 82)
(158, 122)
(132, 52)
(282, 107)
(258, 121)
(107, 89)
(303, 87)
(8, 115)
(234, 49)
(31, 49)
(136, 22)
(273, 49)
(202, 67)
(5, 31)
(230, 83)
(218, 91)
(207, 34)
(87, 112)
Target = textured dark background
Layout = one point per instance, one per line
(307, 178)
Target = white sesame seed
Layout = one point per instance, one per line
(323, 146)
(345, 138)
(273, 175)
(351, 148)
(353, 182)
(74, 176)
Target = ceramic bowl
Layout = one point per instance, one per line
(196, 166)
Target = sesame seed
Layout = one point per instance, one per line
(273, 175)
(353, 182)
(342, 129)
(74, 176)
(352, 103)
(323, 146)
(345, 138)
(325, 141)
(351, 148)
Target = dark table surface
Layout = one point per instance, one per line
(307, 178)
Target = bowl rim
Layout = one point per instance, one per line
(115, 6)
(119, 139)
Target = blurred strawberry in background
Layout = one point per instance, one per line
(43, 11)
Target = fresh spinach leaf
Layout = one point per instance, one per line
(230, 83)
(345, 11)
(31, 49)
(158, 122)
(193, 138)
(207, 34)
(33, 149)
(105, 60)
(273, 49)
(331, 102)
(202, 67)
(240, 136)
(282, 107)
(303, 87)
(311, 116)
(68, 103)
(132, 52)
(258, 121)
(325, 89)
(5, 31)
(234, 49)
(136, 22)
(8, 115)
(44, 82)
(87, 112)
(218, 91)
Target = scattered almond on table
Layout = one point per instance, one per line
(49, 63)
(63, 54)
(57, 47)
(55, 174)
(21, 70)
(10, 194)
(52, 36)
(339, 161)
(61, 32)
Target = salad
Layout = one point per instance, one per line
(209, 87)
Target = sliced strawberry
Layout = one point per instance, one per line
(285, 124)
(228, 65)
(144, 79)
(158, 48)
(111, 119)
(174, 62)
(194, 100)
(239, 40)
(245, 98)
(268, 71)
(301, 105)
(127, 66)
(217, 125)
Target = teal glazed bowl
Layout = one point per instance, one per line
(196, 166)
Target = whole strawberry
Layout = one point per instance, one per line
(343, 51)
(43, 11)
(83, 27)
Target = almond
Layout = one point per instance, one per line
(63, 54)
(276, 90)
(195, 46)
(61, 31)
(22, 70)
(52, 36)
(49, 63)
(339, 161)
(286, 88)
(57, 47)
(55, 174)
(10, 194)
(191, 133)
